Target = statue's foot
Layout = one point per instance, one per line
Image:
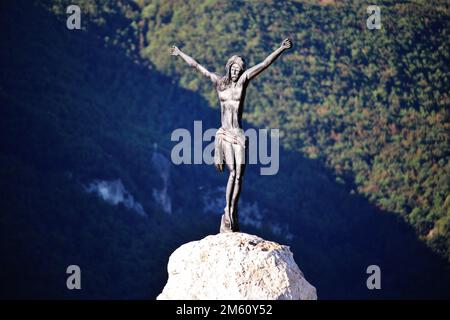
(225, 225)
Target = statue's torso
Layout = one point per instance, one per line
(231, 105)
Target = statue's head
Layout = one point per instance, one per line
(235, 67)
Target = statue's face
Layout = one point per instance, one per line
(235, 72)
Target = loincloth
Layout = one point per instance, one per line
(232, 136)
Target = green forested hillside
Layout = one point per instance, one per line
(80, 106)
(373, 105)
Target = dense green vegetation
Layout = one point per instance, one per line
(84, 105)
(371, 104)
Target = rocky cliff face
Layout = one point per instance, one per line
(235, 266)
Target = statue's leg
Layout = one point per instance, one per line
(229, 160)
(240, 159)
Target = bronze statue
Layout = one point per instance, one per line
(230, 141)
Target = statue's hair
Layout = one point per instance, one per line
(226, 79)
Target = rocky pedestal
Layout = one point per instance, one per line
(235, 266)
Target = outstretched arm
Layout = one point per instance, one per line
(260, 67)
(190, 61)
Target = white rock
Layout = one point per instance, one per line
(235, 266)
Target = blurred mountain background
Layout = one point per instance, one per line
(86, 118)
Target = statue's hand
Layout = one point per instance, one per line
(174, 51)
(286, 44)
